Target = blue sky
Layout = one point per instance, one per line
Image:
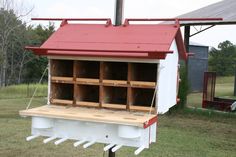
(133, 9)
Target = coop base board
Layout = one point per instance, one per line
(117, 134)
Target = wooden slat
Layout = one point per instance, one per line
(142, 109)
(129, 91)
(143, 84)
(114, 106)
(115, 82)
(101, 92)
(57, 79)
(90, 114)
(60, 101)
(87, 104)
(87, 81)
(74, 79)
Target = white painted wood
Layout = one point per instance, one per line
(82, 132)
(167, 82)
(129, 132)
(108, 59)
(49, 139)
(108, 147)
(89, 144)
(153, 132)
(41, 122)
(76, 144)
(139, 150)
(31, 137)
(60, 141)
(116, 148)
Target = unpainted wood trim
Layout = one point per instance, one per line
(60, 101)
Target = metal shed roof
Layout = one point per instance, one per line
(225, 9)
(106, 40)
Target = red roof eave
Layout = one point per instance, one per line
(99, 53)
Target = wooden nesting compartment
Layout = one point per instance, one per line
(87, 72)
(115, 73)
(141, 99)
(114, 85)
(143, 75)
(61, 71)
(87, 95)
(61, 93)
(114, 97)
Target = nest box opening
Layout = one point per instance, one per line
(62, 68)
(87, 69)
(115, 71)
(144, 72)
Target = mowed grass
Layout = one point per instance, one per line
(224, 89)
(23, 91)
(178, 135)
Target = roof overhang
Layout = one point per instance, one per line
(201, 23)
(224, 9)
(100, 53)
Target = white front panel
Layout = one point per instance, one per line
(106, 59)
(167, 83)
(98, 132)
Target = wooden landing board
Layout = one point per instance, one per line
(57, 79)
(115, 82)
(87, 104)
(60, 101)
(87, 81)
(143, 84)
(92, 115)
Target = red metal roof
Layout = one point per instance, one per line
(129, 40)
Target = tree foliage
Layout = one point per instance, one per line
(223, 59)
(16, 64)
(38, 35)
(12, 39)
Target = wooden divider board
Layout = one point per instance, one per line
(92, 115)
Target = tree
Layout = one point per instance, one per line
(12, 33)
(36, 65)
(18, 65)
(183, 86)
(223, 59)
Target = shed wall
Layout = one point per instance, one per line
(197, 65)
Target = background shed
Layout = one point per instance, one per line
(197, 65)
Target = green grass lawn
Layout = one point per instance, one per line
(23, 91)
(224, 89)
(180, 134)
